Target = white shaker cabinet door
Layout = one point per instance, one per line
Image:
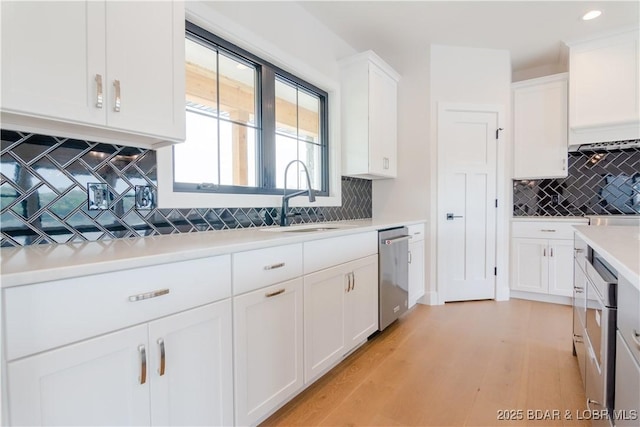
(383, 123)
(145, 67)
(561, 267)
(51, 55)
(324, 319)
(416, 272)
(361, 309)
(529, 265)
(268, 349)
(191, 367)
(101, 381)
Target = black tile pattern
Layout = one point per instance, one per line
(43, 189)
(598, 183)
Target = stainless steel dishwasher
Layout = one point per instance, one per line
(393, 275)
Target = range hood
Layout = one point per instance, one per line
(605, 146)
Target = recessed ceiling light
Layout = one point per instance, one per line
(592, 14)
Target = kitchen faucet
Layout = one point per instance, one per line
(286, 197)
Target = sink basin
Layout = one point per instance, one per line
(302, 228)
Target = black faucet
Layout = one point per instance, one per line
(285, 197)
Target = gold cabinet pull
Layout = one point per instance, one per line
(116, 85)
(162, 356)
(274, 293)
(99, 97)
(143, 364)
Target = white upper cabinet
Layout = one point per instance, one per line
(604, 89)
(110, 71)
(369, 122)
(540, 127)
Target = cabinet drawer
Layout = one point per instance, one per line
(325, 253)
(50, 314)
(416, 231)
(544, 230)
(629, 315)
(263, 267)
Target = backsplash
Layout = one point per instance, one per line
(598, 183)
(44, 188)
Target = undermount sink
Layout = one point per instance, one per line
(302, 228)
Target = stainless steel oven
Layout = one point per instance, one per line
(600, 335)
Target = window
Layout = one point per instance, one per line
(246, 121)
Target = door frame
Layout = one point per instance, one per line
(503, 195)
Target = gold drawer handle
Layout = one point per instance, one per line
(274, 293)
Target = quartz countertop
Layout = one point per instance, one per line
(550, 219)
(41, 263)
(619, 245)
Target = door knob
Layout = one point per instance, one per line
(451, 217)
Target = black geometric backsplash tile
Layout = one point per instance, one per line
(598, 183)
(44, 189)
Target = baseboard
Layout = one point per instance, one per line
(533, 296)
(430, 298)
(502, 294)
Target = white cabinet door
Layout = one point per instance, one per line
(529, 265)
(95, 382)
(361, 304)
(560, 267)
(147, 60)
(51, 54)
(95, 69)
(324, 319)
(191, 367)
(604, 88)
(416, 272)
(540, 127)
(268, 349)
(383, 118)
(369, 117)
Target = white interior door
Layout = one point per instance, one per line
(467, 163)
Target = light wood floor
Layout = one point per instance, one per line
(453, 365)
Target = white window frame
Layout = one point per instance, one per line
(215, 23)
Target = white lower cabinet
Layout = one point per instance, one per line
(268, 349)
(542, 257)
(122, 379)
(341, 311)
(541, 265)
(416, 263)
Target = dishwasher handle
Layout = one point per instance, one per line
(396, 240)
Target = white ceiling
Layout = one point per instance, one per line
(533, 31)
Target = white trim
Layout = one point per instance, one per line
(220, 25)
(533, 296)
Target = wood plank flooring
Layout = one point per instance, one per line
(454, 365)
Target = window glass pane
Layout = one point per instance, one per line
(286, 151)
(286, 109)
(237, 90)
(237, 155)
(196, 160)
(311, 155)
(200, 79)
(308, 117)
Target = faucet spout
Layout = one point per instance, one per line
(285, 197)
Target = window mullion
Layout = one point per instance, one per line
(268, 140)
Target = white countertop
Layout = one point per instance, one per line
(40, 263)
(550, 219)
(619, 245)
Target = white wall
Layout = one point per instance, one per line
(473, 76)
(444, 74)
(285, 27)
